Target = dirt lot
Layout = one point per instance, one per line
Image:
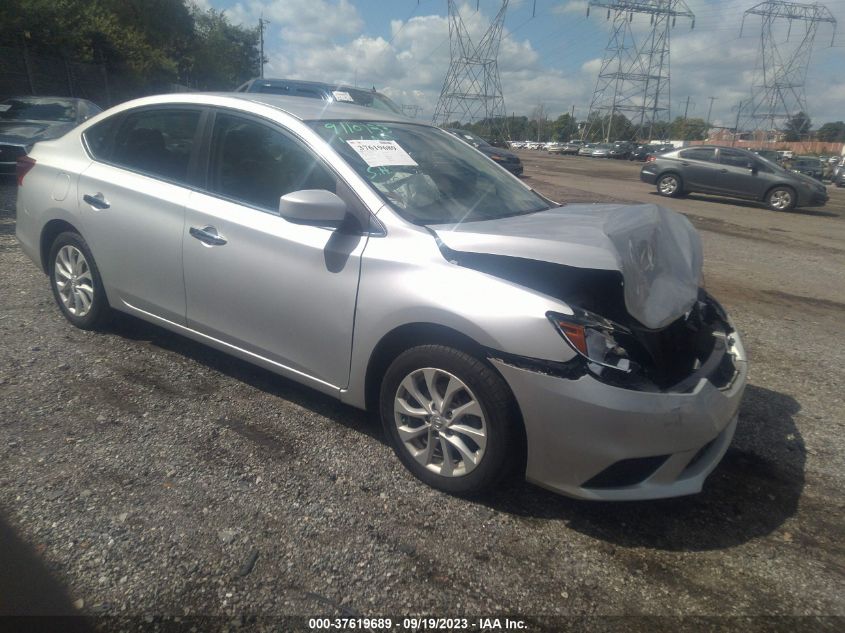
(146, 474)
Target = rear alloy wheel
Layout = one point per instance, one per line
(781, 199)
(76, 282)
(669, 185)
(449, 418)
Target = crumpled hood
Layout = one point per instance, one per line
(657, 250)
(28, 132)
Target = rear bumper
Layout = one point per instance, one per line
(590, 440)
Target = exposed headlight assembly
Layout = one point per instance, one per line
(597, 339)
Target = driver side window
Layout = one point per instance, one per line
(257, 164)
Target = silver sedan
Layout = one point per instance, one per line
(385, 263)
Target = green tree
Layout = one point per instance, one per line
(224, 55)
(797, 127)
(833, 132)
(621, 128)
(688, 129)
(564, 128)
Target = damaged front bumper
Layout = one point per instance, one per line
(591, 440)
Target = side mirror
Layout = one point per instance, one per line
(312, 206)
(752, 166)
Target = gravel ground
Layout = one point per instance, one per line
(147, 474)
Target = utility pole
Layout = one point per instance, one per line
(472, 89)
(686, 109)
(777, 90)
(736, 127)
(709, 111)
(261, 24)
(633, 78)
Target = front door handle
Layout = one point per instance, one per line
(207, 235)
(97, 201)
(724, 171)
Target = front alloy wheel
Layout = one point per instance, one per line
(440, 422)
(669, 185)
(781, 199)
(451, 418)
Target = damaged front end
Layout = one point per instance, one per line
(630, 275)
(670, 359)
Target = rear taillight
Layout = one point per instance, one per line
(25, 163)
(650, 158)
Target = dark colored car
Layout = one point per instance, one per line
(321, 90)
(808, 165)
(768, 154)
(26, 120)
(503, 157)
(641, 152)
(737, 173)
(621, 149)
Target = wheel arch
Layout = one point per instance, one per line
(410, 335)
(781, 185)
(49, 233)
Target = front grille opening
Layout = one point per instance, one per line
(626, 472)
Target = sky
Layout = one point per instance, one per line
(549, 56)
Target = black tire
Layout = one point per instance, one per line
(781, 198)
(503, 447)
(670, 185)
(98, 313)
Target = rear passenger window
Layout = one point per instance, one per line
(98, 137)
(257, 164)
(734, 158)
(157, 142)
(707, 154)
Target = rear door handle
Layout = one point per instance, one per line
(724, 171)
(97, 200)
(207, 235)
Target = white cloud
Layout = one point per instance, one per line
(327, 40)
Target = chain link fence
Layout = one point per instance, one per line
(22, 73)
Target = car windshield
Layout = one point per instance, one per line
(38, 110)
(369, 99)
(470, 137)
(427, 175)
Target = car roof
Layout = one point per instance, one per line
(297, 107)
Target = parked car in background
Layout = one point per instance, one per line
(341, 93)
(502, 157)
(385, 263)
(621, 149)
(808, 165)
(555, 147)
(838, 177)
(602, 150)
(25, 121)
(587, 150)
(768, 154)
(572, 147)
(732, 172)
(641, 152)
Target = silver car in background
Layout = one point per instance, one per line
(385, 263)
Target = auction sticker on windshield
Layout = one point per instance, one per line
(342, 95)
(382, 153)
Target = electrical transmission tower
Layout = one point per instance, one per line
(777, 92)
(472, 90)
(634, 77)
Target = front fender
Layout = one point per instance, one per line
(406, 280)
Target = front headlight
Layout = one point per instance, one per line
(497, 157)
(597, 339)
